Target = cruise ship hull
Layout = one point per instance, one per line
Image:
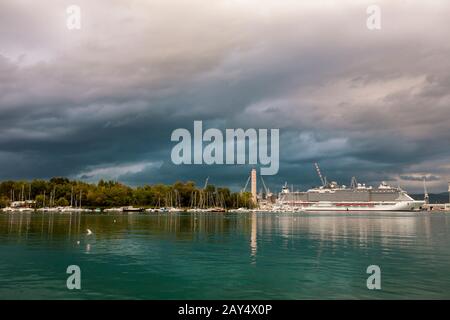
(359, 206)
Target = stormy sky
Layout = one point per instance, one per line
(102, 101)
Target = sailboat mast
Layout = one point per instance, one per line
(71, 197)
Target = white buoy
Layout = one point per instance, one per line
(89, 232)
(78, 242)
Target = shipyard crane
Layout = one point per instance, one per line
(322, 179)
(206, 183)
(354, 183)
(426, 197)
(246, 184)
(264, 185)
(267, 190)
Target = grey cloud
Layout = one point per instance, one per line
(370, 104)
(418, 178)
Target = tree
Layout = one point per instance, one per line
(4, 202)
(62, 202)
(59, 180)
(116, 194)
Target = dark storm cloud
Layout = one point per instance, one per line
(102, 102)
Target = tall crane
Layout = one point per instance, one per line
(264, 185)
(354, 183)
(426, 197)
(246, 184)
(320, 174)
(206, 183)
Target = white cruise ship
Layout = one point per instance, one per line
(357, 197)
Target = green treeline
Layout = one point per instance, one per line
(106, 194)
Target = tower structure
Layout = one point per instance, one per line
(253, 181)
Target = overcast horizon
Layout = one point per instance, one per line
(101, 102)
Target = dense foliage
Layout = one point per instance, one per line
(64, 192)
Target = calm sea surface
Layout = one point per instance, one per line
(225, 256)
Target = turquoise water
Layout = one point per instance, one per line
(225, 256)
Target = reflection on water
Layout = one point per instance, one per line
(206, 256)
(254, 235)
(322, 226)
(74, 225)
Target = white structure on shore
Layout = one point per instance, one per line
(253, 181)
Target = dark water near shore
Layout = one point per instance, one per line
(225, 256)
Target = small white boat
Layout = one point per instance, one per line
(132, 209)
(113, 210)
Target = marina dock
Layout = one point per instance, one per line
(436, 207)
